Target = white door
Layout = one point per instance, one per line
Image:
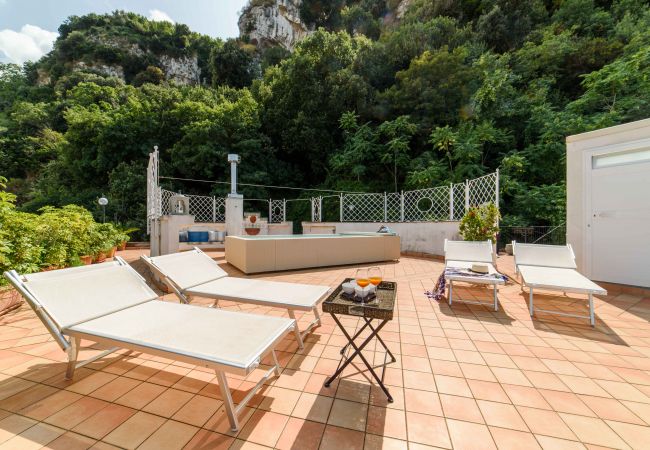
(620, 218)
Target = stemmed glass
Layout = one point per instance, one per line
(374, 275)
(362, 280)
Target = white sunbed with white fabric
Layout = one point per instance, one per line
(111, 304)
(553, 267)
(462, 255)
(194, 274)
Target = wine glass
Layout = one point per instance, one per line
(362, 280)
(374, 275)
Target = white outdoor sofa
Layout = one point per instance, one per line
(193, 273)
(111, 304)
(553, 267)
(461, 255)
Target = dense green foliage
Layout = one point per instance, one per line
(56, 237)
(452, 90)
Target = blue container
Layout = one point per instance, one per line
(197, 236)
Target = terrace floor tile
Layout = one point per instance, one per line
(465, 377)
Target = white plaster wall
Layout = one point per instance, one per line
(420, 237)
(579, 150)
(283, 228)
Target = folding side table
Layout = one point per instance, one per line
(380, 308)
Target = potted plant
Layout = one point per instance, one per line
(125, 236)
(480, 223)
(86, 259)
(114, 239)
(103, 241)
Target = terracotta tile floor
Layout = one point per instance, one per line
(466, 377)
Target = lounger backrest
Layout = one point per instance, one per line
(474, 251)
(544, 255)
(188, 269)
(75, 295)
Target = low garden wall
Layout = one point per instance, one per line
(416, 237)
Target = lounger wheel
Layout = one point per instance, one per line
(327, 385)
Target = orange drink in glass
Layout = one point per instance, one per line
(374, 275)
(363, 282)
(362, 278)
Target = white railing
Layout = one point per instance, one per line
(153, 191)
(204, 208)
(436, 204)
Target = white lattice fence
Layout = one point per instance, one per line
(363, 207)
(153, 191)
(317, 209)
(423, 205)
(427, 205)
(205, 209)
(393, 207)
(457, 201)
(165, 195)
(219, 209)
(277, 211)
(483, 190)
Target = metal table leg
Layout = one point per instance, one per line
(381, 341)
(357, 352)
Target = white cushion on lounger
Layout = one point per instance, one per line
(230, 338)
(82, 293)
(189, 268)
(475, 251)
(558, 279)
(280, 294)
(544, 255)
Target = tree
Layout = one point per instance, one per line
(151, 74)
(303, 99)
(231, 65)
(506, 23)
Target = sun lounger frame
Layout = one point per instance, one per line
(484, 260)
(549, 286)
(71, 346)
(186, 297)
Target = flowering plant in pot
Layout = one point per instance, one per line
(480, 223)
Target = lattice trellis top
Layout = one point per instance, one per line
(442, 203)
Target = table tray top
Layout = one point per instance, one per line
(381, 307)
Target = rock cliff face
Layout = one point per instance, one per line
(111, 70)
(182, 70)
(273, 22)
(269, 23)
(402, 7)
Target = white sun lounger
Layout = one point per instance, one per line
(194, 274)
(111, 304)
(461, 255)
(553, 267)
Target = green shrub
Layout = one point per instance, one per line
(56, 237)
(480, 223)
(66, 234)
(106, 236)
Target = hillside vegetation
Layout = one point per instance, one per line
(452, 90)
